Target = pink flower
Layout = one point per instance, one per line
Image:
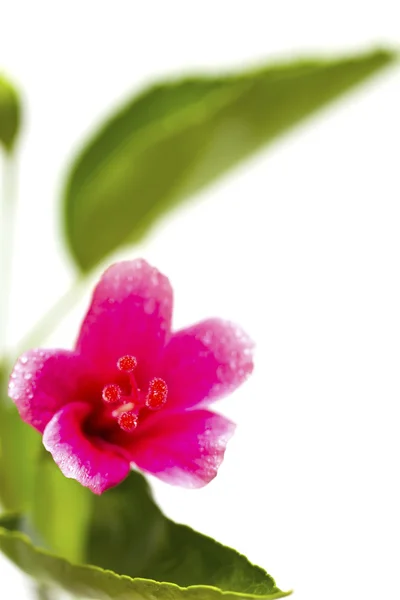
(133, 392)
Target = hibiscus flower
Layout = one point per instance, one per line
(133, 392)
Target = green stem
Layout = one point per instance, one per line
(46, 324)
(8, 204)
(42, 328)
(43, 592)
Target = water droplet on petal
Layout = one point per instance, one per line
(149, 306)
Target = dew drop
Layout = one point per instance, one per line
(149, 306)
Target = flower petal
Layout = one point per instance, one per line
(43, 381)
(91, 461)
(130, 313)
(205, 362)
(183, 448)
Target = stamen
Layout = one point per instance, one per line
(128, 400)
(127, 363)
(128, 407)
(157, 394)
(111, 393)
(128, 421)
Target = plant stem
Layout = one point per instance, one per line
(46, 324)
(8, 202)
(42, 592)
(53, 316)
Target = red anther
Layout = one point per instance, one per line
(157, 394)
(128, 421)
(127, 363)
(111, 393)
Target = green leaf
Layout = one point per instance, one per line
(177, 137)
(10, 112)
(19, 446)
(54, 498)
(129, 535)
(31, 482)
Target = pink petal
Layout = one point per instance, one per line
(205, 362)
(45, 380)
(184, 448)
(130, 313)
(91, 461)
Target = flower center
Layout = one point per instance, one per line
(128, 405)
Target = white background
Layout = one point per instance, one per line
(300, 246)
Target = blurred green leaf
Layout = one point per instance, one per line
(129, 535)
(176, 137)
(31, 482)
(19, 446)
(60, 509)
(10, 113)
